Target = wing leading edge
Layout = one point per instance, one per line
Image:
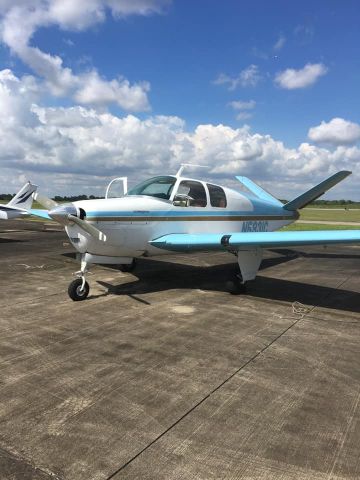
(181, 242)
(39, 213)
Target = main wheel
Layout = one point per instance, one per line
(76, 292)
(235, 286)
(128, 267)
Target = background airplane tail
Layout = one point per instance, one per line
(316, 192)
(24, 198)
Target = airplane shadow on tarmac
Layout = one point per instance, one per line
(154, 276)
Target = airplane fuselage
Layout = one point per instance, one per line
(132, 221)
(170, 213)
(8, 213)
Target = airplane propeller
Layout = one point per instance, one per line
(90, 229)
(67, 214)
(45, 201)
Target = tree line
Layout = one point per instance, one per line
(329, 202)
(58, 198)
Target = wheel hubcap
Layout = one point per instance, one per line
(80, 291)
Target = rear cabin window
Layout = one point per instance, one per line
(195, 191)
(217, 196)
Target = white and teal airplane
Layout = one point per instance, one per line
(172, 213)
(20, 203)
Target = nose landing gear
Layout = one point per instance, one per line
(79, 288)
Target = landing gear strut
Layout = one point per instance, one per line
(128, 267)
(236, 286)
(248, 263)
(79, 288)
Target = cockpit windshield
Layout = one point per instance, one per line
(159, 187)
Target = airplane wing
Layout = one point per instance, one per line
(39, 213)
(8, 211)
(181, 242)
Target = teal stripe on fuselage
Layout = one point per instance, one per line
(187, 213)
(169, 213)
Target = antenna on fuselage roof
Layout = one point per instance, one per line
(183, 165)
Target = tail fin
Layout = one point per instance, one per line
(24, 198)
(316, 192)
(258, 191)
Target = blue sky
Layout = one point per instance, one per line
(182, 51)
(280, 67)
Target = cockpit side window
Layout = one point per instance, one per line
(159, 187)
(194, 191)
(217, 196)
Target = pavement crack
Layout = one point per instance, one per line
(209, 394)
(302, 314)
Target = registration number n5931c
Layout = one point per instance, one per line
(255, 226)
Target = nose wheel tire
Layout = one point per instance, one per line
(77, 291)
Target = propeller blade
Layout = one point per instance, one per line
(66, 213)
(90, 229)
(45, 201)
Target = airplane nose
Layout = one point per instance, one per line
(61, 213)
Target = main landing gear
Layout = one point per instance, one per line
(248, 263)
(236, 285)
(128, 267)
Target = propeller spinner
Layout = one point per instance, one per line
(68, 214)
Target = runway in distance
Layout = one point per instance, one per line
(173, 213)
(20, 203)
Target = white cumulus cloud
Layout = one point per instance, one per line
(243, 105)
(336, 132)
(243, 108)
(291, 79)
(78, 149)
(279, 43)
(97, 91)
(249, 77)
(20, 19)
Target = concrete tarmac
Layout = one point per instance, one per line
(162, 374)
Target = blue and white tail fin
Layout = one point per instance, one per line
(24, 198)
(298, 202)
(259, 191)
(316, 192)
